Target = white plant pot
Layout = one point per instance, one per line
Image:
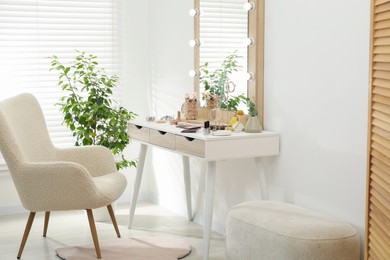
(253, 125)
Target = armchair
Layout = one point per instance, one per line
(53, 179)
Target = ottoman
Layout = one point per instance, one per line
(279, 231)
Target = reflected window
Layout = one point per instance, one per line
(223, 28)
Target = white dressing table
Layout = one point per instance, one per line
(208, 147)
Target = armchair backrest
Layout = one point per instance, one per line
(23, 133)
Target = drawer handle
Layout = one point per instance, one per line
(162, 132)
(138, 126)
(189, 138)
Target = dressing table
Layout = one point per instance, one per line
(207, 147)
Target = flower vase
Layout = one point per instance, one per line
(253, 125)
(192, 109)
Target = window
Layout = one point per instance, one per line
(33, 30)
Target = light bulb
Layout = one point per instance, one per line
(250, 76)
(194, 43)
(249, 41)
(249, 6)
(194, 12)
(194, 73)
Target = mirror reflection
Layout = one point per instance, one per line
(222, 42)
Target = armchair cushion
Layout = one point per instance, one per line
(59, 185)
(98, 160)
(110, 186)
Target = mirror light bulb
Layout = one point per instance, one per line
(194, 73)
(249, 6)
(250, 76)
(194, 43)
(249, 41)
(194, 12)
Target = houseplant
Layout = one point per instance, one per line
(214, 82)
(253, 124)
(89, 110)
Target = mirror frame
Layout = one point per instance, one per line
(255, 54)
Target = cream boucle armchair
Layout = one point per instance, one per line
(51, 179)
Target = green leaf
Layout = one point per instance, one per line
(87, 141)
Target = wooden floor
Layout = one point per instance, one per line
(70, 228)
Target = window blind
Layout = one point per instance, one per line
(223, 27)
(377, 242)
(33, 30)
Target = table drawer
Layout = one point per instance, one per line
(139, 133)
(161, 138)
(190, 146)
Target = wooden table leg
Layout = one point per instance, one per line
(137, 183)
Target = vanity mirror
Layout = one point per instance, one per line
(223, 28)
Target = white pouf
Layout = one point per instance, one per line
(279, 231)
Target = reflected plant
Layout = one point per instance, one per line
(214, 81)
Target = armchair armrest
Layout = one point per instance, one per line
(58, 186)
(98, 160)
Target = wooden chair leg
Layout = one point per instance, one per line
(47, 216)
(26, 232)
(94, 233)
(113, 220)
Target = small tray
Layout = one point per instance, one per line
(221, 133)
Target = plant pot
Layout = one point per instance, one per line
(253, 125)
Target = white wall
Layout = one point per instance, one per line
(135, 44)
(316, 85)
(317, 60)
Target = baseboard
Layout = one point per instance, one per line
(12, 210)
(215, 226)
(198, 217)
(19, 209)
(149, 196)
(4, 170)
(143, 196)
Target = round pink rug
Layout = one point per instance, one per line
(133, 248)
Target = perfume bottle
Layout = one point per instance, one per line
(206, 129)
